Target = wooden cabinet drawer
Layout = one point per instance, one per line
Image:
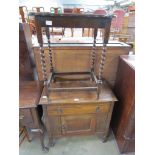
(25, 117)
(77, 109)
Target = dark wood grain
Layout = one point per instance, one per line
(29, 93)
(123, 120)
(26, 57)
(80, 97)
(72, 21)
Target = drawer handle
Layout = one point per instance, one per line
(21, 116)
(97, 109)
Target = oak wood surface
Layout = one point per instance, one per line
(78, 113)
(67, 57)
(78, 124)
(78, 109)
(79, 97)
(29, 93)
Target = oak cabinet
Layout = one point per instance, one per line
(64, 116)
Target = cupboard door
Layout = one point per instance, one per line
(80, 124)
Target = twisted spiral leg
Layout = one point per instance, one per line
(102, 63)
(43, 63)
(93, 54)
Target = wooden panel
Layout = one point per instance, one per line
(101, 122)
(25, 65)
(83, 124)
(77, 109)
(26, 118)
(123, 116)
(68, 58)
(83, 97)
(55, 125)
(72, 20)
(29, 93)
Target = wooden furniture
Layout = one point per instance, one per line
(70, 105)
(27, 67)
(23, 134)
(29, 95)
(77, 21)
(79, 51)
(68, 10)
(89, 32)
(123, 119)
(22, 13)
(128, 28)
(56, 10)
(55, 30)
(38, 9)
(29, 90)
(117, 22)
(79, 113)
(77, 11)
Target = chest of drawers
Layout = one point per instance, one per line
(29, 96)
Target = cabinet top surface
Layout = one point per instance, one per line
(129, 59)
(29, 93)
(79, 97)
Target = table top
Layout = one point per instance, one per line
(29, 93)
(79, 97)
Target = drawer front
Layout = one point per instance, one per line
(26, 118)
(78, 109)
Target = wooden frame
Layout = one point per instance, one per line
(47, 20)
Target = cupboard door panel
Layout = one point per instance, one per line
(83, 124)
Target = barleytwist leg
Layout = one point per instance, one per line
(93, 54)
(43, 63)
(49, 49)
(102, 63)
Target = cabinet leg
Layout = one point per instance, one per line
(40, 134)
(44, 148)
(51, 142)
(104, 139)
